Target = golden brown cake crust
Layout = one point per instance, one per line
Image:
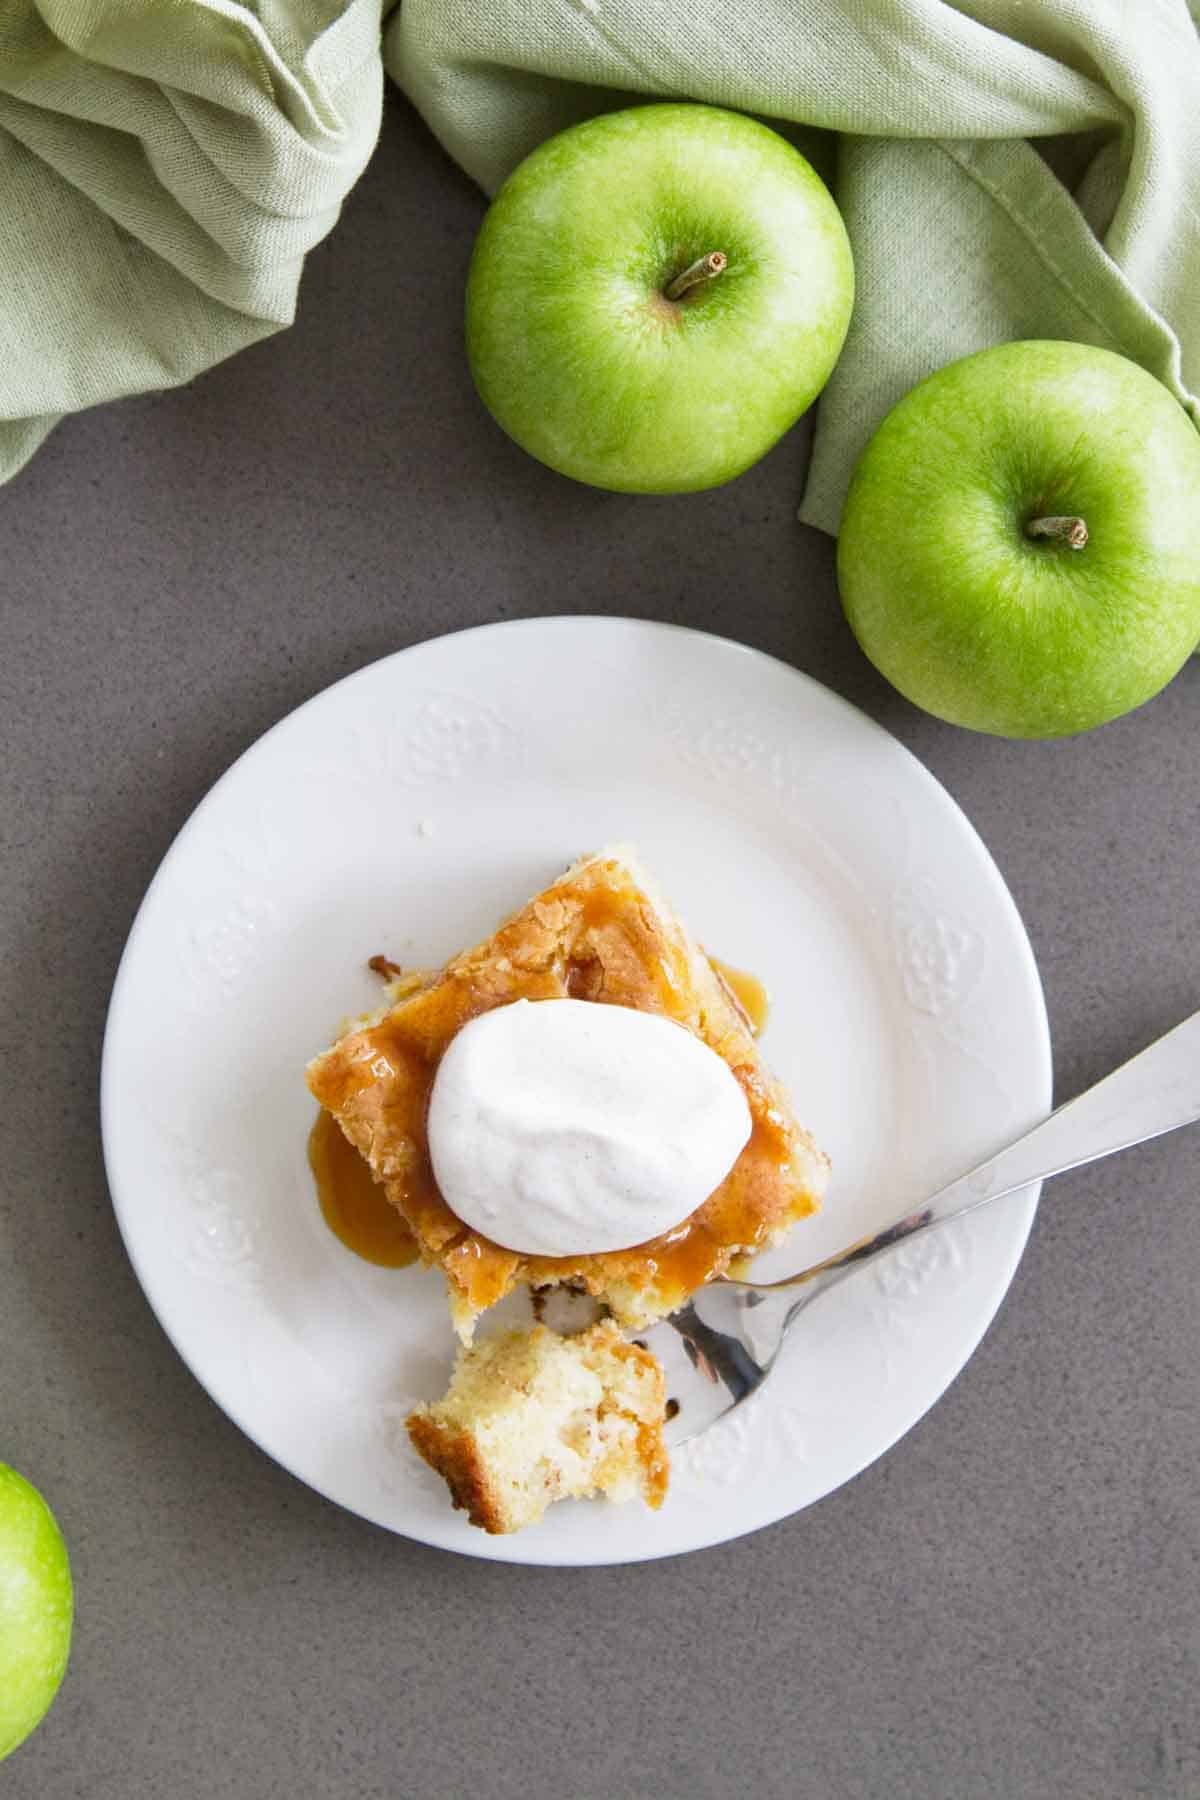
(455, 1456)
(600, 933)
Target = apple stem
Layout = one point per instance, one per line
(1067, 530)
(702, 270)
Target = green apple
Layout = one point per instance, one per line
(36, 1608)
(655, 297)
(1020, 548)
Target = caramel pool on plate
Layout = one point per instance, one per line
(353, 1204)
(748, 991)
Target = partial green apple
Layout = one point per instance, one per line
(656, 296)
(1020, 548)
(36, 1608)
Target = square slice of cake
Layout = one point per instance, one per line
(531, 1417)
(601, 933)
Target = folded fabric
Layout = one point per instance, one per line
(165, 165)
(964, 233)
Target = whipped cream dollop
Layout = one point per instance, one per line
(567, 1127)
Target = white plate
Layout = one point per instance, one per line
(405, 810)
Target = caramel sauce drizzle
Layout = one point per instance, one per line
(353, 1204)
(748, 991)
(410, 1042)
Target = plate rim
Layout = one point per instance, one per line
(514, 1550)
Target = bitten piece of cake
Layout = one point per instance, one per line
(531, 1417)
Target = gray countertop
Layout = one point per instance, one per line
(1005, 1605)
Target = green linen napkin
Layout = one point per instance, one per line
(164, 167)
(964, 233)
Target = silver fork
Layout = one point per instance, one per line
(732, 1339)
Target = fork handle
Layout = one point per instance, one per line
(1154, 1092)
